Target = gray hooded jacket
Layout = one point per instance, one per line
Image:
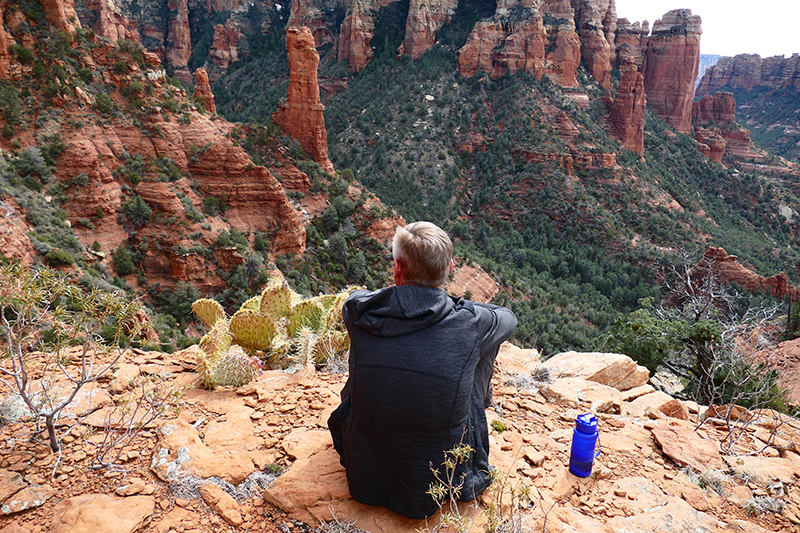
(420, 377)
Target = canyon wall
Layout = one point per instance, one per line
(670, 67)
(544, 42)
(596, 23)
(630, 43)
(301, 114)
(747, 71)
(424, 20)
(626, 112)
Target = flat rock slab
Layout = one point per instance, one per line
(767, 468)
(315, 488)
(612, 369)
(684, 446)
(27, 498)
(676, 516)
(180, 449)
(513, 360)
(10, 483)
(582, 394)
(647, 405)
(101, 513)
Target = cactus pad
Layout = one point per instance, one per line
(276, 299)
(252, 329)
(235, 368)
(209, 310)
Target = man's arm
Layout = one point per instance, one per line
(503, 323)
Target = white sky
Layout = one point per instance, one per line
(730, 27)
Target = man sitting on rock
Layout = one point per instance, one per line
(421, 365)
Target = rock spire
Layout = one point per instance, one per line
(301, 114)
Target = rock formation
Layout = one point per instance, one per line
(710, 144)
(596, 24)
(179, 40)
(5, 56)
(714, 119)
(309, 13)
(301, 114)
(355, 35)
(543, 43)
(203, 90)
(729, 270)
(424, 19)
(61, 14)
(111, 23)
(720, 108)
(626, 112)
(223, 51)
(747, 71)
(631, 43)
(670, 67)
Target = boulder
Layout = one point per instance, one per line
(683, 445)
(611, 369)
(101, 513)
(222, 503)
(582, 394)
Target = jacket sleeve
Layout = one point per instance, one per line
(503, 323)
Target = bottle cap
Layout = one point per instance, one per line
(586, 423)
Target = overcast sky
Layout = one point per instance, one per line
(731, 27)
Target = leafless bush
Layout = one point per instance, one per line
(150, 398)
(74, 329)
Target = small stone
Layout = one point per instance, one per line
(621, 493)
(181, 502)
(164, 504)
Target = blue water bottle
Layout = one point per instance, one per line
(584, 439)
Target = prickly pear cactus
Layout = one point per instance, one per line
(276, 299)
(277, 326)
(233, 369)
(252, 330)
(209, 310)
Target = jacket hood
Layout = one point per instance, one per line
(397, 310)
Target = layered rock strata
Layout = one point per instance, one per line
(626, 112)
(630, 43)
(747, 71)
(521, 37)
(596, 23)
(179, 40)
(203, 90)
(224, 49)
(111, 23)
(307, 13)
(710, 144)
(670, 67)
(718, 108)
(729, 271)
(301, 114)
(61, 14)
(716, 129)
(424, 19)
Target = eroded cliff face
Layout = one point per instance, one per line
(747, 71)
(424, 20)
(179, 40)
(596, 23)
(61, 14)
(626, 112)
(716, 129)
(203, 90)
(107, 20)
(670, 67)
(543, 42)
(301, 114)
(224, 49)
(630, 43)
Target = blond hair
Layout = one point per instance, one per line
(424, 250)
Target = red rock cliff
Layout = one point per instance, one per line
(596, 23)
(203, 90)
(729, 270)
(61, 14)
(179, 40)
(626, 112)
(307, 13)
(5, 56)
(719, 108)
(301, 114)
(424, 19)
(747, 71)
(631, 43)
(498, 45)
(111, 23)
(224, 50)
(670, 67)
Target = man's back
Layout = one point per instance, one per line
(412, 393)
